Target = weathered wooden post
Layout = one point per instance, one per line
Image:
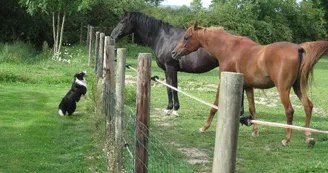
(90, 45)
(108, 84)
(88, 35)
(97, 51)
(142, 121)
(81, 32)
(120, 83)
(101, 54)
(132, 37)
(231, 90)
(109, 100)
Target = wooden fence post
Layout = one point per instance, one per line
(90, 45)
(142, 119)
(109, 85)
(88, 35)
(132, 38)
(97, 51)
(120, 83)
(81, 32)
(101, 55)
(231, 90)
(109, 100)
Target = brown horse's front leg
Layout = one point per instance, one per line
(212, 112)
(251, 105)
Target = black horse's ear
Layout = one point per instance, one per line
(195, 25)
(125, 11)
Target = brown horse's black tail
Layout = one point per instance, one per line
(312, 52)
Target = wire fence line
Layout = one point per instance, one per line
(155, 78)
(250, 120)
(160, 159)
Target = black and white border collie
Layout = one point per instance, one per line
(79, 88)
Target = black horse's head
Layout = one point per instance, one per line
(124, 27)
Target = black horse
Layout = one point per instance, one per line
(162, 38)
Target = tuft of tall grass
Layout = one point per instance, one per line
(16, 52)
(10, 77)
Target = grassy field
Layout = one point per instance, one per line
(35, 139)
(255, 154)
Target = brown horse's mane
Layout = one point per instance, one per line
(213, 28)
(221, 29)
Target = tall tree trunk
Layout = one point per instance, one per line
(81, 32)
(57, 34)
(54, 32)
(61, 32)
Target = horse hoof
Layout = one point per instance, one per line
(255, 134)
(202, 130)
(167, 112)
(175, 113)
(284, 142)
(310, 142)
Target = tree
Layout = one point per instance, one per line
(235, 16)
(292, 20)
(196, 5)
(58, 9)
(321, 4)
(16, 24)
(154, 2)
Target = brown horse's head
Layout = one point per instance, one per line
(189, 43)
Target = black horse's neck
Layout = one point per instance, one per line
(148, 29)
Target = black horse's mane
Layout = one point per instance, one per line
(150, 25)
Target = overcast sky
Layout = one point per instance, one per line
(206, 3)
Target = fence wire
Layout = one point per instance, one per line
(160, 160)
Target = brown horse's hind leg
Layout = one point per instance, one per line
(212, 112)
(251, 105)
(289, 111)
(308, 106)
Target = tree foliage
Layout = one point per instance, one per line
(196, 5)
(263, 20)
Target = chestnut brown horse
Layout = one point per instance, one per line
(281, 64)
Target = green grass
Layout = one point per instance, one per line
(255, 154)
(35, 139)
